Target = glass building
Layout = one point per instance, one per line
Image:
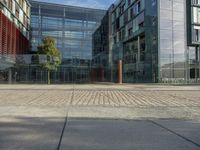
(133, 26)
(102, 49)
(157, 40)
(72, 27)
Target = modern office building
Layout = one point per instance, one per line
(14, 31)
(157, 40)
(72, 29)
(71, 26)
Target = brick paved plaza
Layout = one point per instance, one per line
(31, 113)
(100, 95)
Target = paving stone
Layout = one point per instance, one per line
(99, 134)
(23, 133)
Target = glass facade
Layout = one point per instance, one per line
(101, 49)
(72, 27)
(134, 32)
(27, 69)
(157, 40)
(172, 40)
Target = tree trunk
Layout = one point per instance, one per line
(49, 78)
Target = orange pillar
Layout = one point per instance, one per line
(120, 72)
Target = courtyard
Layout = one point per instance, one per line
(99, 117)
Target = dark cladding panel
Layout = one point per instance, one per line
(189, 22)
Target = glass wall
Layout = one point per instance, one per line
(28, 69)
(72, 28)
(172, 41)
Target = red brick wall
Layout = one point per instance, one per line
(12, 41)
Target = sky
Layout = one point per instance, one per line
(99, 4)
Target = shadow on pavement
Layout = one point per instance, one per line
(98, 134)
(30, 133)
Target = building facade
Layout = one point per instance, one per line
(71, 26)
(157, 40)
(101, 52)
(14, 26)
(193, 38)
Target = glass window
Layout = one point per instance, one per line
(196, 34)
(196, 15)
(196, 2)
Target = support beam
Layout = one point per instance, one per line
(10, 76)
(120, 77)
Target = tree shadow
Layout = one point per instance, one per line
(21, 133)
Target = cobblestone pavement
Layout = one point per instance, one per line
(99, 116)
(101, 101)
(100, 95)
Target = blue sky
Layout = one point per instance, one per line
(102, 4)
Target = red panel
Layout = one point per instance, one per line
(17, 40)
(4, 34)
(12, 41)
(9, 41)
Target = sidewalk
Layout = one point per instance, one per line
(98, 134)
(96, 117)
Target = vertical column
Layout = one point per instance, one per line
(63, 33)
(40, 22)
(138, 58)
(120, 80)
(199, 62)
(197, 68)
(1, 32)
(10, 76)
(187, 66)
(196, 64)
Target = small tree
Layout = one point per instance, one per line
(49, 49)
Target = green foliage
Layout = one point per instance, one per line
(48, 48)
